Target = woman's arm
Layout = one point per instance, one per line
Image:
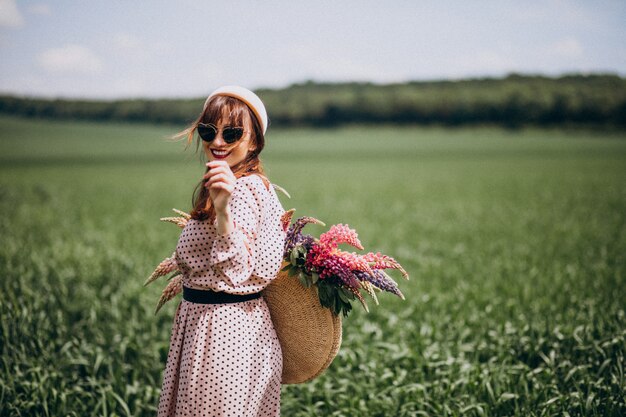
(232, 253)
(250, 237)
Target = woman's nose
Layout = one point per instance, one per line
(219, 140)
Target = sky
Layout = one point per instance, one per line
(122, 49)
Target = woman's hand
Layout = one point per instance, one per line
(220, 183)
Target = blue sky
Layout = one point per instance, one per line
(113, 49)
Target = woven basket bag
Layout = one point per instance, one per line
(309, 334)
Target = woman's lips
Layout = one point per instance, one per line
(220, 154)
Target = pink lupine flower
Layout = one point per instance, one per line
(336, 266)
(355, 261)
(379, 261)
(340, 233)
(316, 257)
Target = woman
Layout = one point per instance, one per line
(224, 357)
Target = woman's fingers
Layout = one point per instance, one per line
(218, 170)
(216, 163)
(223, 186)
(219, 177)
(220, 167)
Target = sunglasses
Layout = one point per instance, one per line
(208, 132)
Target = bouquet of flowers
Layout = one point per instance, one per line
(339, 275)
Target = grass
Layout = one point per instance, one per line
(515, 242)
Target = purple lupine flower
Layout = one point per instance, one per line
(380, 280)
(295, 236)
(335, 265)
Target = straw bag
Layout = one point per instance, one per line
(309, 334)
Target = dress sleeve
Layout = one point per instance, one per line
(268, 248)
(232, 253)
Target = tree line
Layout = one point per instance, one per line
(514, 100)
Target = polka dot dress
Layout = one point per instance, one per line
(225, 359)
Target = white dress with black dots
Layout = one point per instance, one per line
(225, 359)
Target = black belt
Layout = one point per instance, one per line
(211, 297)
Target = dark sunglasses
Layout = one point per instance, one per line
(208, 132)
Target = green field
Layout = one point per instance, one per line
(515, 242)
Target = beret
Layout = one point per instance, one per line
(252, 100)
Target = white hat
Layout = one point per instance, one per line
(252, 100)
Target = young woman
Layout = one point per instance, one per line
(224, 357)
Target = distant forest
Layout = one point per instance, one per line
(515, 100)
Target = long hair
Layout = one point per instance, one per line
(232, 110)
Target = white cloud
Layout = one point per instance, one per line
(70, 59)
(9, 14)
(40, 8)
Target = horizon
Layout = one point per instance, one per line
(321, 83)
